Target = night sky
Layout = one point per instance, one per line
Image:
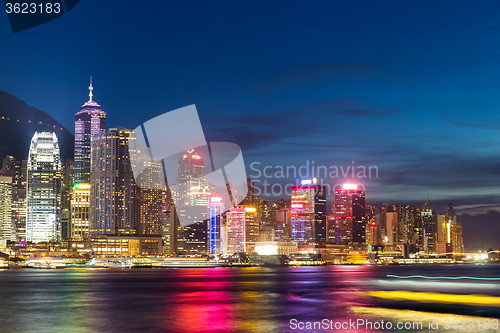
(409, 87)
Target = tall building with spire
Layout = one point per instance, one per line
(43, 198)
(89, 121)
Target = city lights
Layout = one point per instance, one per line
(349, 186)
(215, 199)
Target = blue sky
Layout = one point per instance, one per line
(410, 87)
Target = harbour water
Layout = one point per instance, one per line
(252, 299)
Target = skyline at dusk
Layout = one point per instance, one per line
(409, 88)
(256, 166)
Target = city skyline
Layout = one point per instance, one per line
(424, 113)
(258, 166)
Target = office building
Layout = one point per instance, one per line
(252, 228)
(308, 207)
(7, 232)
(43, 198)
(150, 191)
(349, 211)
(113, 192)
(214, 229)
(90, 121)
(428, 217)
(234, 238)
(191, 193)
(391, 230)
(80, 212)
(284, 224)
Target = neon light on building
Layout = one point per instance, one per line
(308, 210)
(214, 228)
(90, 121)
(350, 187)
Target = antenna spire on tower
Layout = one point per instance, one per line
(90, 90)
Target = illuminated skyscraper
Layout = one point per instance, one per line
(89, 121)
(412, 225)
(214, 227)
(455, 230)
(391, 228)
(349, 210)
(113, 192)
(284, 224)
(80, 214)
(150, 193)
(191, 193)
(309, 212)
(43, 205)
(371, 233)
(457, 240)
(371, 225)
(7, 232)
(234, 239)
(428, 216)
(17, 171)
(251, 228)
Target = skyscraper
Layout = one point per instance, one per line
(251, 228)
(113, 192)
(214, 228)
(191, 193)
(371, 225)
(234, 239)
(150, 191)
(349, 210)
(80, 214)
(412, 225)
(43, 202)
(284, 224)
(455, 230)
(7, 232)
(309, 212)
(428, 216)
(391, 230)
(17, 171)
(89, 121)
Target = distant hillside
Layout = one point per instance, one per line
(18, 123)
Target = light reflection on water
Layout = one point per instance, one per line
(193, 300)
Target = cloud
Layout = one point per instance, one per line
(272, 80)
(493, 124)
